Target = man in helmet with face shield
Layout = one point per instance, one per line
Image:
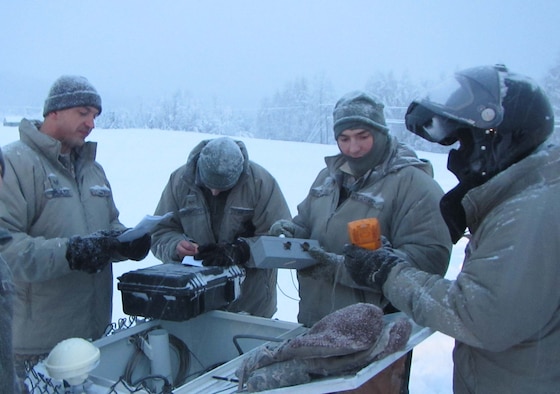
(503, 309)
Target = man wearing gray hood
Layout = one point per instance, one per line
(374, 176)
(220, 198)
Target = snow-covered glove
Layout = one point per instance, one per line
(283, 227)
(113, 233)
(136, 249)
(327, 265)
(224, 254)
(92, 253)
(371, 267)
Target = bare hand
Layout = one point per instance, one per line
(186, 248)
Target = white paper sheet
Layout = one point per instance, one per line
(146, 226)
(189, 260)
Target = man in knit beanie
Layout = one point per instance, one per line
(58, 209)
(70, 109)
(373, 176)
(360, 111)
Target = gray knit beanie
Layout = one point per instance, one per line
(357, 109)
(220, 164)
(70, 91)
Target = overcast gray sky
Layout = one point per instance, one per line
(239, 51)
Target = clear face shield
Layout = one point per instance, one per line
(467, 100)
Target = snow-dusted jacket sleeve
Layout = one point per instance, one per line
(509, 279)
(42, 206)
(504, 305)
(169, 232)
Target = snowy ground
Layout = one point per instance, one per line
(138, 163)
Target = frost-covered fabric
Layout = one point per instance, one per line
(342, 342)
(402, 194)
(504, 307)
(71, 91)
(220, 164)
(249, 208)
(42, 204)
(358, 108)
(345, 331)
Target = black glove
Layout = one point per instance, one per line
(136, 249)
(224, 254)
(371, 267)
(91, 253)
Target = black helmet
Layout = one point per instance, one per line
(498, 118)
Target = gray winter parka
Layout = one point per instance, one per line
(402, 194)
(255, 199)
(8, 381)
(503, 309)
(41, 205)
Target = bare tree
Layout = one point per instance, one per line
(301, 111)
(396, 94)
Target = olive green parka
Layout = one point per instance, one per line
(402, 194)
(503, 309)
(253, 205)
(42, 204)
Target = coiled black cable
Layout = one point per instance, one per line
(176, 344)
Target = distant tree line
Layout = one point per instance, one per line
(301, 110)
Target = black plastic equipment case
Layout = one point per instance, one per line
(179, 292)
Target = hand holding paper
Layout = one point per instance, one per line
(146, 226)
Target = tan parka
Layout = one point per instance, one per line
(254, 203)
(42, 204)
